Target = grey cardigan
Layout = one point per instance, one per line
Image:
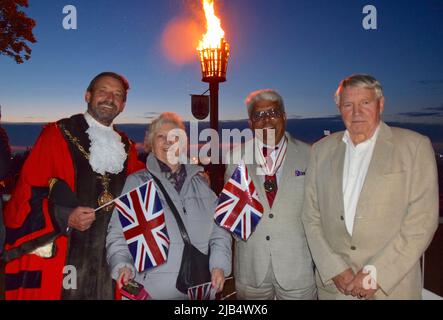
(196, 205)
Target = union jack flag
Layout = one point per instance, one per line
(239, 209)
(143, 221)
(203, 291)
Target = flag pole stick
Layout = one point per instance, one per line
(229, 295)
(110, 202)
(104, 206)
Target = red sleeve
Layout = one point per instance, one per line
(134, 164)
(27, 217)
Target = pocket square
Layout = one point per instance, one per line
(299, 173)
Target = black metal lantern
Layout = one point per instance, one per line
(214, 62)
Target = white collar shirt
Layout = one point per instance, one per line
(356, 165)
(273, 156)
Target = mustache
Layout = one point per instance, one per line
(110, 103)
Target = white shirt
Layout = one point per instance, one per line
(357, 159)
(273, 155)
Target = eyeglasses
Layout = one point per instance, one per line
(273, 113)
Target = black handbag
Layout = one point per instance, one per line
(194, 267)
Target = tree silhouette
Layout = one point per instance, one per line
(15, 30)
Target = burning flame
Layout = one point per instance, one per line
(213, 49)
(214, 32)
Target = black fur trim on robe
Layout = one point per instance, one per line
(86, 250)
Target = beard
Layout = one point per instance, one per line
(104, 112)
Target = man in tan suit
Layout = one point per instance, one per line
(371, 201)
(275, 262)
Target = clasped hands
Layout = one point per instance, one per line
(349, 283)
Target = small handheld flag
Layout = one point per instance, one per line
(142, 218)
(239, 209)
(203, 291)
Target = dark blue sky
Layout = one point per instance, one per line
(301, 48)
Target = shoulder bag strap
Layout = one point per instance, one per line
(174, 210)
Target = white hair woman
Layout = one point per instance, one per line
(195, 203)
(166, 131)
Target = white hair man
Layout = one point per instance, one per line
(371, 201)
(274, 263)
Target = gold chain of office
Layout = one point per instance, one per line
(105, 196)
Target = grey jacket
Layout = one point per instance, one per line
(279, 237)
(196, 204)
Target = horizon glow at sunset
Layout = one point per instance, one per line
(300, 48)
